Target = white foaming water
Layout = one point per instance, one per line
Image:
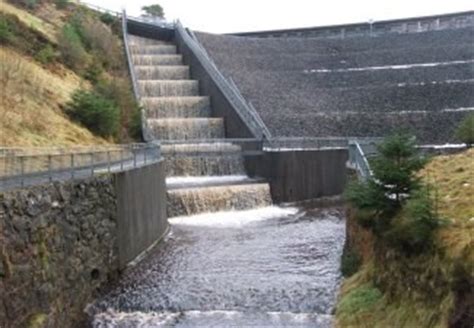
(388, 67)
(196, 181)
(210, 319)
(233, 219)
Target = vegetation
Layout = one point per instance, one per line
(465, 131)
(94, 111)
(80, 45)
(154, 11)
(396, 188)
(350, 262)
(427, 287)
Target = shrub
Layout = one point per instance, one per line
(135, 128)
(359, 300)
(5, 30)
(46, 55)
(94, 111)
(94, 71)
(61, 4)
(154, 11)
(465, 131)
(99, 38)
(350, 262)
(413, 232)
(107, 19)
(72, 50)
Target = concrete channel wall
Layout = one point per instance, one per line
(60, 242)
(301, 174)
(141, 202)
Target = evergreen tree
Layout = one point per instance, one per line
(154, 11)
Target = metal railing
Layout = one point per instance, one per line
(304, 143)
(358, 160)
(27, 166)
(146, 132)
(247, 113)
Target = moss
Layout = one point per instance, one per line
(350, 262)
(360, 299)
(37, 320)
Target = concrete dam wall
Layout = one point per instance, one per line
(61, 242)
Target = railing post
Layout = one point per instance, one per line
(134, 158)
(145, 150)
(50, 169)
(121, 159)
(72, 165)
(22, 170)
(92, 164)
(108, 162)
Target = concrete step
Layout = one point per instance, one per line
(190, 201)
(187, 128)
(168, 88)
(187, 182)
(154, 49)
(167, 72)
(175, 107)
(153, 60)
(140, 41)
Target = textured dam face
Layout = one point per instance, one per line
(354, 86)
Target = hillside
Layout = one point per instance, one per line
(40, 74)
(430, 290)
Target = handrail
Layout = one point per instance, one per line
(146, 134)
(358, 160)
(245, 112)
(27, 167)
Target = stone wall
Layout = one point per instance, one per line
(60, 243)
(57, 246)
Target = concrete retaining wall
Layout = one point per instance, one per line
(301, 175)
(60, 242)
(141, 201)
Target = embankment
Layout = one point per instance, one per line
(432, 289)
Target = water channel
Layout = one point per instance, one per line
(273, 266)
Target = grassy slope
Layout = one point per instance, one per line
(361, 306)
(33, 96)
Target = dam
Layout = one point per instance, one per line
(231, 257)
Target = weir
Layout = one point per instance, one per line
(211, 174)
(231, 258)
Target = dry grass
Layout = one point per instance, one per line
(45, 28)
(30, 108)
(453, 179)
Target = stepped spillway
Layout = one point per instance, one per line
(245, 264)
(178, 114)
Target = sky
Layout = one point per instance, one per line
(220, 16)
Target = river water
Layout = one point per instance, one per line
(273, 266)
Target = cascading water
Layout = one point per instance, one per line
(202, 159)
(187, 128)
(172, 107)
(268, 266)
(191, 201)
(168, 88)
